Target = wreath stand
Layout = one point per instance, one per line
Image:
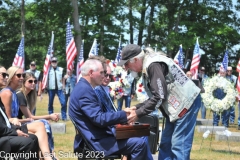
(218, 104)
(212, 134)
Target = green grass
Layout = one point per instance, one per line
(210, 149)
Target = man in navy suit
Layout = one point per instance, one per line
(95, 124)
(102, 92)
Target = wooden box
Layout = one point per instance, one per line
(135, 130)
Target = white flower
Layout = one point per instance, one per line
(215, 104)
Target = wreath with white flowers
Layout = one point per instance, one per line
(213, 103)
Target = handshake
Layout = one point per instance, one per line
(131, 114)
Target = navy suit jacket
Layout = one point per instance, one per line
(95, 124)
(105, 99)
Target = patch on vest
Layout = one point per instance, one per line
(173, 101)
(160, 88)
(178, 75)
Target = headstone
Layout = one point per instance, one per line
(58, 128)
(205, 122)
(220, 136)
(212, 129)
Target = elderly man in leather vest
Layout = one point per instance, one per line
(169, 89)
(55, 86)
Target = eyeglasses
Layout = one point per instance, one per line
(32, 81)
(33, 65)
(54, 61)
(229, 70)
(19, 75)
(108, 75)
(4, 75)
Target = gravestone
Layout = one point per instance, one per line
(205, 122)
(212, 129)
(234, 137)
(59, 128)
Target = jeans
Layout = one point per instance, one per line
(66, 100)
(203, 111)
(177, 137)
(224, 116)
(232, 114)
(127, 102)
(61, 97)
(149, 154)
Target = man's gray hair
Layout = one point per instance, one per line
(139, 56)
(88, 65)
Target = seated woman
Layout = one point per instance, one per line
(13, 139)
(9, 95)
(27, 97)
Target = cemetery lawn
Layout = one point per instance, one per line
(210, 149)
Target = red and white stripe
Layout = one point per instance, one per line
(71, 52)
(47, 63)
(195, 61)
(238, 81)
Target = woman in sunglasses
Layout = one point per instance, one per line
(27, 97)
(8, 94)
(7, 99)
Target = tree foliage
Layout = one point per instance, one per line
(161, 23)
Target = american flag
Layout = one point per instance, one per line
(47, 63)
(94, 49)
(71, 50)
(19, 57)
(195, 60)
(238, 82)
(224, 63)
(179, 57)
(118, 57)
(80, 61)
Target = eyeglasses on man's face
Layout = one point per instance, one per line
(108, 75)
(4, 75)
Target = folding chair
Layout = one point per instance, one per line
(86, 148)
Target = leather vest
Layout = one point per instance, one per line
(51, 78)
(181, 91)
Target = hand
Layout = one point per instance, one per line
(54, 117)
(15, 121)
(29, 119)
(132, 117)
(22, 134)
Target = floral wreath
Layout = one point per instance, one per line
(213, 103)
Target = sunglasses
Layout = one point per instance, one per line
(54, 61)
(32, 81)
(33, 64)
(4, 75)
(108, 75)
(19, 75)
